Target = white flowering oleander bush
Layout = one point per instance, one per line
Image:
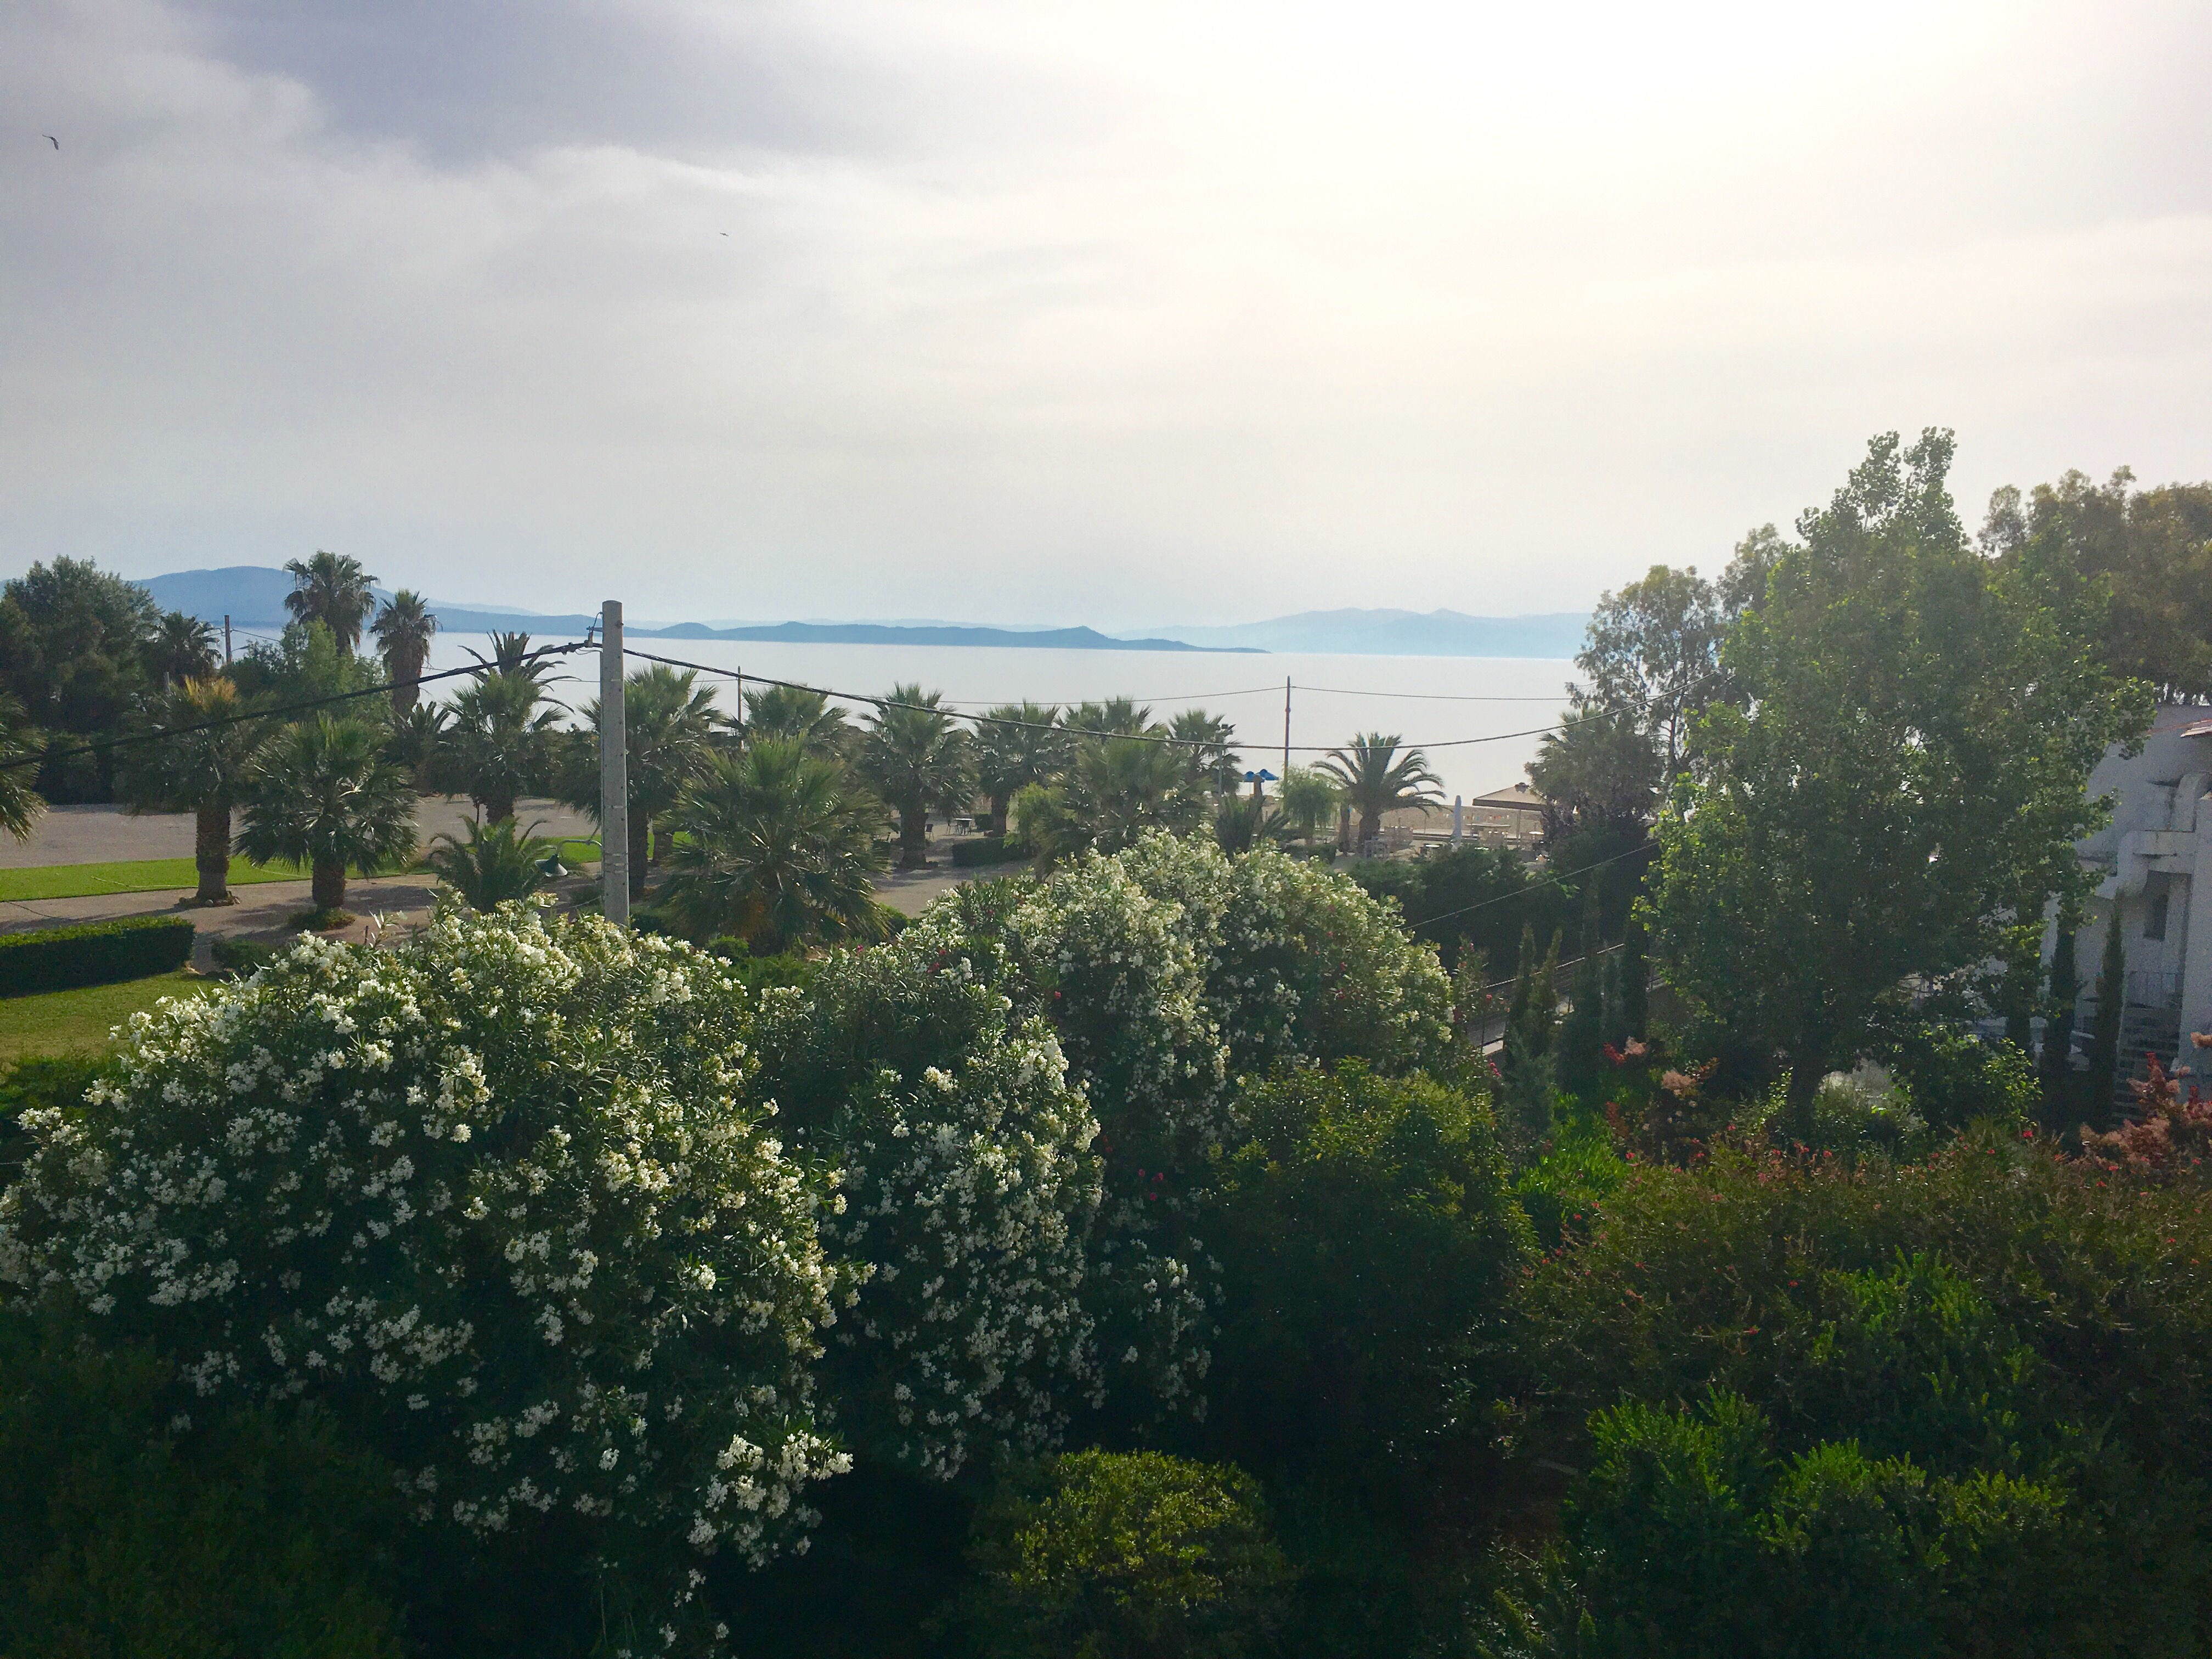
(970, 1189)
(502, 1199)
(1171, 971)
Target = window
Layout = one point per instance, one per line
(2158, 896)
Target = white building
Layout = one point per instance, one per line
(2155, 859)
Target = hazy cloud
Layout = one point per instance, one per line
(1118, 314)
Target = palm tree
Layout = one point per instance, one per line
(1376, 779)
(510, 655)
(1017, 744)
(1120, 787)
(182, 649)
(198, 771)
(920, 762)
(417, 744)
(332, 589)
(497, 746)
(1206, 741)
(1120, 716)
(776, 847)
(669, 724)
(321, 793)
(20, 805)
(403, 630)
(792, 711)
(1241, 823)
(493, 864)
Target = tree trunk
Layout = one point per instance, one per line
(1807, 1068)
(1370, 826)
(211, 852)
(999, 814)
(913, 839)
(330, 884)
(498, 807)
(640, 841)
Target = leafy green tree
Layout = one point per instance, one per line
(321, 793)
(1581, 1032)
(792, 711)
(182, 649)
(332, 589)
(1911, 760)
(1599, 771)
(1376, 779)
(304, 665)
(1017, 744)
(495, 864)
(1652, 660)
(1309, 799)
(203, 770)
(1126, 1555)
(498, 742)
(920, 762)
(2152, 550)
(669, 725)
(404, 626)
(775, 846)
(73, 640)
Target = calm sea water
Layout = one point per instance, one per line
(1438, 702)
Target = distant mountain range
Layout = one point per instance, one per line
(252, 596)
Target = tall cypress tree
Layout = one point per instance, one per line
(2057, 1066)
(1635, 978)
(2105, 1035)
(1584, 1029)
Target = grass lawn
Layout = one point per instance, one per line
(58, 881)
(72, 1022)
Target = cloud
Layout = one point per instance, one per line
(1101, 314)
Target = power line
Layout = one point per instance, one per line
(383, 691)
(1427, 696)
(1527, 887)
(1041, 725)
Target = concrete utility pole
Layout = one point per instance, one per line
(226, 639)
(614, 770)
(1286, 726)
(1455, 819)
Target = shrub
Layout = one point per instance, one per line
(1125, 1556)
(241, 957)
(1367, 1241)
(973, 1189)
(128, 1530)
(93, 953)
(981, 850)
(502, 1199)
(1951, 1077)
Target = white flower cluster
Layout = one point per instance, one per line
(501, 1197)
(972, 1189)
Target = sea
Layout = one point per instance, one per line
(1479, 719)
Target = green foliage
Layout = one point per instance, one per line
(1017, 744)
(1562, 1192)
(499, 742)
(1376, 779)
(1367, 1235)
(321, 793)
(93, 953)
(301, 665)
(1107, 1555)
(404, 626)
(42, 1082)
(920, 762)
(73, 644)
(1910, 762)
(1309, 799)
(985, 850)
(1470, 897)
(332, 590)
(1951, 1077)
(494, 865)
(776, 845)
(2106, 1063)
(129, 1531)
(244, 956)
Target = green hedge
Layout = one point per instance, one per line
(988, 849)
(97, 953)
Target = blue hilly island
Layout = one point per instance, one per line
(254, 596)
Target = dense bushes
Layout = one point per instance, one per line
(982, 850)
(93, 953)
(502, 1200)
(1949, 1407)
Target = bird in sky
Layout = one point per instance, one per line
(50, 139)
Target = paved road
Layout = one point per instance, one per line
(103, 834)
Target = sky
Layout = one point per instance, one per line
(1117, 315)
